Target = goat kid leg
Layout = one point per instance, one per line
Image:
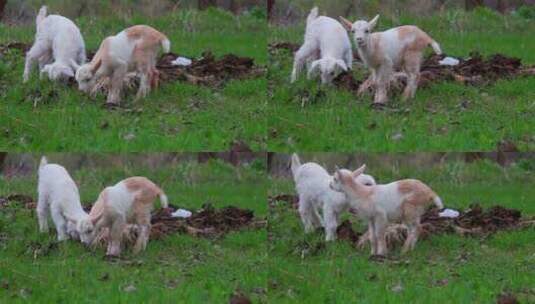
(373, 239)
(143, 220)
(383, 79)
(412, 68)
(42, 212)
(331, 223)
(306, 214)
(380, 230)
(38, 50)
(116, 234)
(114, 95)
(61, 224)
(305, 51)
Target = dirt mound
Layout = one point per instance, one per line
(473, 221)
(289, 46)
(26, 200)
(476, 70)
(290, 199)
(347, 81)
(207, 70)
(23, 47)
(206, 221)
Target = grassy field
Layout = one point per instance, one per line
(307, 117)
(46, 116)
(176, 269)
(441, 269)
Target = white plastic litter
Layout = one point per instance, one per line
(183, 61)
(450, 213)
(449, 61)
(181, 213)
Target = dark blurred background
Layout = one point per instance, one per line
(23, 11)
(290, 11)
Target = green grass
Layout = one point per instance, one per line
(46, 116)
(303, 269)
(307, 117)
(177, 269)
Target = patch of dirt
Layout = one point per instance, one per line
(345, 232)
(347, 81)
(207, 221)
(475, 70)
(289, 46)
(291, 199)
(208, 70)
(23, 47)
(26, 200)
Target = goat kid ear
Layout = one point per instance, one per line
(373, 22)
(75, 65)
(359, 171)
(314, 70)
(346, 23)
(341, 64)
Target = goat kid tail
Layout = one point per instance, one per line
(163, 200)
(312, 15)
(43, 162)
(436, 47)
(296, 163)
(438, 202)
(41, 15)
(166, 44)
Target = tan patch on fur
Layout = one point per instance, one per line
(376, 58)
(149, 36)
(419, 196)
(145, 195)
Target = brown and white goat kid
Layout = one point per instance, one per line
(385, 52)
(404, 201)
(134, 49)
(128, 202)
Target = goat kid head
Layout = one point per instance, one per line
(343, 178)
(328, 68)
(360, 30)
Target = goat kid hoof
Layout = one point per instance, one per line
(379, 106)
(377, 258)
(111, 106)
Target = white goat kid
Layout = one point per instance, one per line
(327, 48)
(58, 47)
(384, 52)
(404, 200)
(312, 185)
(59, 196)
(128, 202)
(134, 49)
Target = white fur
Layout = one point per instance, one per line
(312, 185)
(58, 43)
(59, 195)
(389, 53)
(327, 49)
